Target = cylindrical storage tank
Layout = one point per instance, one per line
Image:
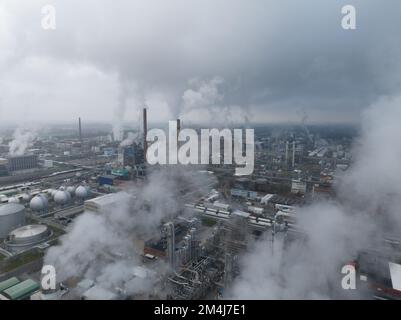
(12, 215)
(25, 237)
(29, 234)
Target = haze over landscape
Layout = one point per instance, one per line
(206, 60)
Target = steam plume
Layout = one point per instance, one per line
(21, 141)
(102, 246)
(367, 209)
(130, 139)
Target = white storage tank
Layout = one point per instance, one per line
(82, 192)
(38, 203)
(71, 190)
(13, 200)
(25, 237)
(26, 197)
(12, 215)
(62, 197)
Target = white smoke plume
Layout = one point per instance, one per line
(202, 95)
(102, 246)
(119, 114)
(367, 209)
(206, 99)
(22, 140)
(130, 139)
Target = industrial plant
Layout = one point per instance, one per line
(174, 151)
(191, 248)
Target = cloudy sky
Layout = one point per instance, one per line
(203, 60)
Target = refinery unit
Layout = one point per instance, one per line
(195, 253)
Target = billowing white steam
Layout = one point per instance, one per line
(119, 112)
(206, 99)
(22, 140)
(102, 246)
(202, 95)
(367, 208)
(130, 139)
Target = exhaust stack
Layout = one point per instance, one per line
(145, 132)
(80, 129)
(178, 127)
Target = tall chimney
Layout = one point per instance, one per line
(178, 127)
(145, 132)
(293, 154)
(286, 153)
(80, 129)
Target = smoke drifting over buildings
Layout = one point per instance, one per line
(119, 115)
(367, 208)
(203, 95)
(205, 99)
(102, 246)
(130, 139)
(21, 141)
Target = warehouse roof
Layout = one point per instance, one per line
(22, 290)
(8, 283)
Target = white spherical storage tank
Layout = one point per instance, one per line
(26, 197)
(82, 192)
(12, 215)
(38, 203)
(71, 190)
(62, 197)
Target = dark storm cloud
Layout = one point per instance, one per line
(275, 57)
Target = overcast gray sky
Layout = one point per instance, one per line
(259, 60)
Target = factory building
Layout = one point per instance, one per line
(236, 232)
(24, 162)
(130, 155)
(244, 194)
(106, 202)
(170, 236)
(3, 167)
(298, 186)
(106, 180)
(12, 215)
